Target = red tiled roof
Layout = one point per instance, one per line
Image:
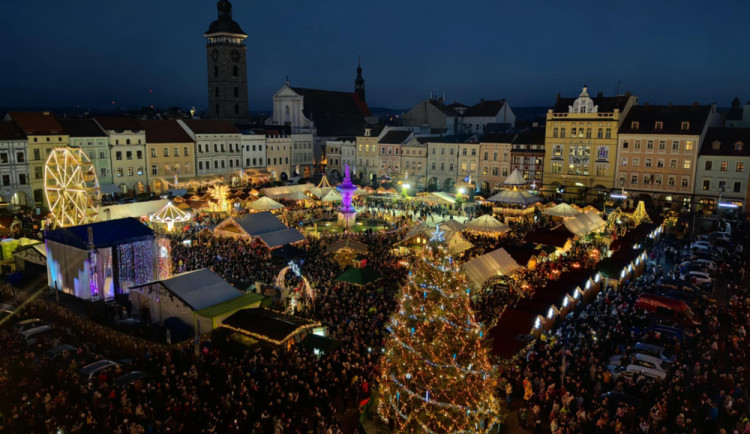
(164, 132)
(39, 123)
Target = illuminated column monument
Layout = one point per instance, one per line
(347, 214)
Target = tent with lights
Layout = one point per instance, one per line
(98, 260)
(332, 196)
(514, 197)
(495, 263)
(265, 204)
(561, 210)
(263, 225)
(420, 235)
(487, 224)
(585, 223)
(135, 209)
(286, 190)
(266, 325)
(199, 298)
(169, 215)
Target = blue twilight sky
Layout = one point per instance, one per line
(90, 53)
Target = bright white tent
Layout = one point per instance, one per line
(496, 263)
(514, 197)
(561, 210)
(332, 196)
(265, 204)
(487, 223)
(515, 178)
(586, 223)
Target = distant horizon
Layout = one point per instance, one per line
(147, 53)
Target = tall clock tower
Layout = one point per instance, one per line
(227, 67)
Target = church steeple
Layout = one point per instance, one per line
(225, 9)
(359, 83)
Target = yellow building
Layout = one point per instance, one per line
(581, 146)
(170, 154)
(44, 134)
(368, 158)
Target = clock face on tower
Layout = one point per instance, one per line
(215, 54)
(235, 55)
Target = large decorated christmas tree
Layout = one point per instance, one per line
(436, 375)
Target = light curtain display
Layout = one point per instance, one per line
(436, 375)
(136, 264)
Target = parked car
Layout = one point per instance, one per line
(703, 246)
(88, 372)
(705, 263)
(698, 277)
(56, 354)
(31, 336)
(633, 370)
(636, 358)
(28, 324)
(672, 309)
(656, 351)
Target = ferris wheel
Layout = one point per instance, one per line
(71, 187)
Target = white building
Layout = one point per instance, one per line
(723, 167)
(218, 146)
(253, 150)
(14, 167)
(302, 154)
(477, 118)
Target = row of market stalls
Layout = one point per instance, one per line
(532, 317)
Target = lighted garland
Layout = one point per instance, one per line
(436, 375)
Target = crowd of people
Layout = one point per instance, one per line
(562, 382)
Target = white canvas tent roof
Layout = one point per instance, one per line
(265, 204)
(287, 189)
(487, 223)
(515, 178)
(332, 196)
(135, 209)
(297, 195)
(561, 210)
(584, 224)
(496, 263)
(514, 197)
(445, 196)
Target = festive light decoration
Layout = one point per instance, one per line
(136, 264)
(303, 294)
(169, 215)
(220, 193)
(436, 375)
(164, 259)
(438, 236)
(71, 187)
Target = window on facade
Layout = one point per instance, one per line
(119, 171)
(588, 133)
(154, 169)
(22, 178)
(684, 182)
(636, 162)
(235, 71)
(625, 145)
(20, 157)
(722, 185)
(724, 166)
(624, 161)
(660, 163)
(637, 145)
(433, 166)
(650, 145)
(176, 151)
(662, 145)
(688, 145)
(634, 125)
(675, 146)
(562, 132)
(737, 187)
(6, 180)
(608, 133)
(657, 180)
(599, 133)
(647, 179)
(671, 181)
(602, 153)
(4, 158)
(708, 165)
(442, 166)
(185, 151)
(130, 171)
(495, 171)
(166, 152)
(104, 171)
(601, 169)
(557, 151)
(36, 154)
(647, 162)
(685, 126)
(473, 152)
(555, 132)
(118, 155)
(738, 146)
(659, 126)
(450, 167)
(706, 184)
(634, 179)
(740, 167)
(486, 155)
(686, 164)
(129, 155)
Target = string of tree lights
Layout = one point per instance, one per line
(436, 376)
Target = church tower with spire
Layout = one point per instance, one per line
(227, 67)
(359, 83)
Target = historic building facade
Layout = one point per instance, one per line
(226, 56)
(127, 140)
(88, 135)
(580, 146)
(657, 152)
(14, 166)
(170, 154)
(218, 148)
(723, 168)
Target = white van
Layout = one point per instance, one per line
(31, 335)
